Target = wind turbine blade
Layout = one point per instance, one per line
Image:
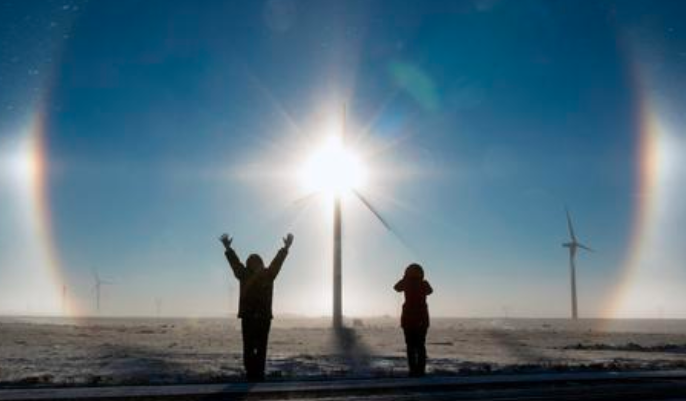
(570, 226)
(374, 211)
(343, 127)
(302, 201)
(383, 221)
(582, 246)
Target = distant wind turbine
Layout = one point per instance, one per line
(97, 287)
(573, 245)
(64, 300)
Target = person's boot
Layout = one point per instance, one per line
(413, 365)
(410, 362)
(251, 371)
(421, 363)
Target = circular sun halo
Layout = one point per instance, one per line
(332, 169)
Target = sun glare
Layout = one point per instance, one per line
(332, 169)
(22, 164)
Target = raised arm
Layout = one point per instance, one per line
(235, 263)
(275, 267)
(427, 288)
(400, 285)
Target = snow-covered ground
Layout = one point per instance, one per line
(44, 351)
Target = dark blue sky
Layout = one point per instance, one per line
(170, 122)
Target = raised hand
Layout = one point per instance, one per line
(226, 240)
(288, 241)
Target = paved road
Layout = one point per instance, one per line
(630, 392)
(565, 386)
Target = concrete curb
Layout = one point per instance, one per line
(333, 387)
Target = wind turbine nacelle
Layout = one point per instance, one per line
(568, 245)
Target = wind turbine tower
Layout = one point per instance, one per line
(98, 288)
(337, 252)
(64, 300)
(573, 245)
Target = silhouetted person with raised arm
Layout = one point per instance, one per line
(415, 317)
(255, 305)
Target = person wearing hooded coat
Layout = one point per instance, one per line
(255, 303)
(415, 317)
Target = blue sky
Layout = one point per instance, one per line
(170, 122)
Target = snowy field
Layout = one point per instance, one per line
(44, 351)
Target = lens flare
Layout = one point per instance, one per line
(638, 293)
(39, 279)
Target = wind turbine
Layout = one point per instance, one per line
(573, 246)
(64, 300)
(97, 288)
(340, 167)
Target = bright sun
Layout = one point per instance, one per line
(333, 169)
